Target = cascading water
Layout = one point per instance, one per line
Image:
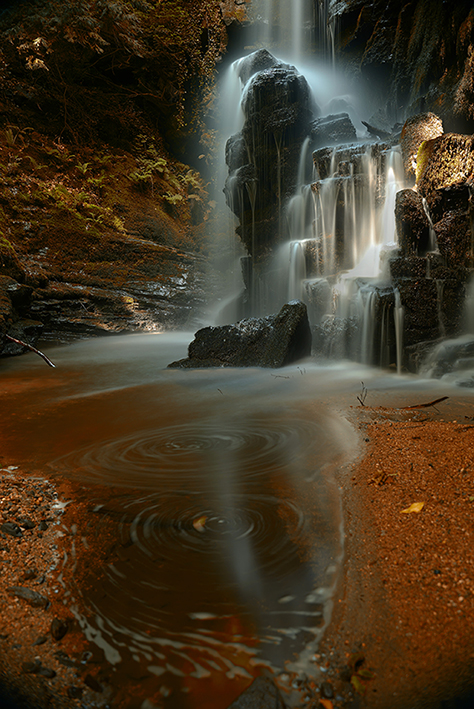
(334, 233)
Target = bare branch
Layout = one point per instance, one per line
(33, 349)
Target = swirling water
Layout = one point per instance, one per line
(218, 488)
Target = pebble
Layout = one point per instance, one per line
(30, 573)
(33, 598)
(64, 659)
(326, 690)
(74, 692)
(36, 668)
(12, 529)
(40, 640)
(59, 628)
(93, 684)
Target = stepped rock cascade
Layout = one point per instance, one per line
(315, 229)
(374, 233)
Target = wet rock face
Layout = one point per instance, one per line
(417, 129)
(332, 130)
(412, 223)
(444, 162)
(415, 56)
(431, 272)
(256, 62)
(271, 341)
(263, 157)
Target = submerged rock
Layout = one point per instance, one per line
(271, 341)
(262, 694)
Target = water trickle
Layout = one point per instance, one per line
(433, 241)
(439, 306)
(398, 314)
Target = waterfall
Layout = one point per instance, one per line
(329, 242)
(297, 270)
(283, 24)
(433, 242)
(398, 316)
(469, 307)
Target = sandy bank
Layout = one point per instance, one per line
(402, 632)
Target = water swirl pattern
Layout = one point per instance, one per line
(220, 547)
(213, 501)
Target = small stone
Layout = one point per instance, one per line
(12, 529)
(59, 628)
(326, 690)
(26, 594)
(29, 574)
(43, 526)
(31, 667)
(27, 523)
(46, 672)
(64, 659)
(40, 640)
(74, 692)
(93, 684)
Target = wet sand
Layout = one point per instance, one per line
(402, 632)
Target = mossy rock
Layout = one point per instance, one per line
(9, 262)
(444, 161)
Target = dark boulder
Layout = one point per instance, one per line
(262, 694)
(276, 99)
(256, 62)
(454, 199)
(271, 341)
(413, 228)
(454, 237)
(263, 158)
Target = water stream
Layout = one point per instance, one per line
(217, 486)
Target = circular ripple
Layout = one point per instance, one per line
(147, 457)
(214, 525)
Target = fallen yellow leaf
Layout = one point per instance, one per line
(415, 507)
(199, 523)
(326, 703)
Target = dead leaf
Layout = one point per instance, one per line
(326, 703)
(356, 660)
(199, 523)
(415, 507)
(366, 674)
(359, 687)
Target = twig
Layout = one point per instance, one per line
(425, 406)
(279, 376)
(363, 395)
(33, 349)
